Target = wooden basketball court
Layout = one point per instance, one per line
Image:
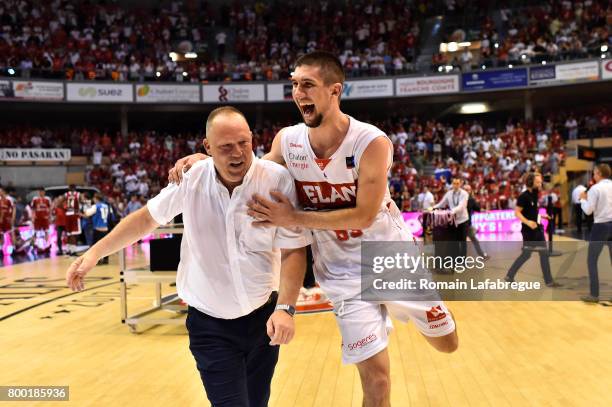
(510, 353)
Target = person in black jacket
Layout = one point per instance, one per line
(472, 207)
(533, 235)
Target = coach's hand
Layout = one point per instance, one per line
(280, 327)
(267, 213)
(175, 174)
(78, 269)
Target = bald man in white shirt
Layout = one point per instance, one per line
(229, 269)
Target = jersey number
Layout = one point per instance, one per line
(104, 213)
(344, 235)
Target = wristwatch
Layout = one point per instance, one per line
(289, 309)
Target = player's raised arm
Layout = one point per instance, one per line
(373, 169)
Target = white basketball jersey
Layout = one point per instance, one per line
(327, 184)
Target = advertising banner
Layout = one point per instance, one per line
(34, 90)
(375, 88)
(505, 78)
(606, 69)
(99, 92)
(6, 90)
(34, 154)
(427, 85)
(494, 222)
(167, 93)
(233, 93)
(280, 92)
(542, 74)
(578, 71)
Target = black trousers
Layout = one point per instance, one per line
(460, 233)
(235, 360)
(533, 240)
(60, 232)
(601, 235)
(578, 213)
(97, 236)
(309, 278)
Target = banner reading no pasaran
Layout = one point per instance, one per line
(34, 154)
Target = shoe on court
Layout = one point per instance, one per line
(554, 284)
(590, 299)
(508, 279)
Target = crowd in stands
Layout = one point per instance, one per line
(427, 153)
(79, 40)
(549, 31)
(371, 38)
(98, 40)
(103, 41)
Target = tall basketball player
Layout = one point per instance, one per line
(41, 214)
(340, 168)
(73, 218)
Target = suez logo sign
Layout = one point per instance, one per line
(362, 342)
(92, 92)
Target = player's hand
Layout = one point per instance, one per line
(280, 213)
(280, 328)
(175, 174)
(532, 224)
(78, 269)
(583, 195)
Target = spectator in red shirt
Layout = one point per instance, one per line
(7, 217)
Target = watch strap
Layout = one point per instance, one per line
(289, 309)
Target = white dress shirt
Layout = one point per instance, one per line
(576, 194)
(426, 200)
(457, 203)
(228, 267)
(599, 202)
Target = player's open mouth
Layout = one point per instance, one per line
(236, 165)
(308, 109)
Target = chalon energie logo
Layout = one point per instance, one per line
(143, 90)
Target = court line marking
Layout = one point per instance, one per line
(2, 318)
